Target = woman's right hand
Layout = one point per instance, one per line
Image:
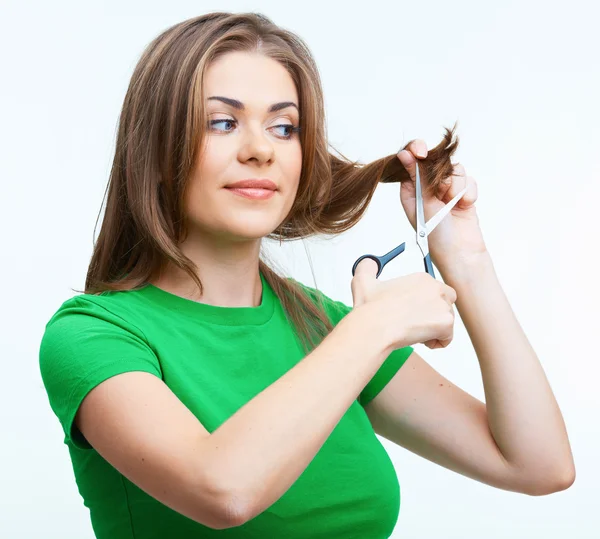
(412, 309)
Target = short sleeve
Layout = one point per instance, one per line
(337, 310)
(84, 344)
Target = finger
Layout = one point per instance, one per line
(437, 343)
(449, 294)
(444, 343)
(456, 183)
(364, 278)
(458, 170)
(409, 162)
(440, 343)
(367, 268)
(471, 195)
(444, 189)
(415, 149)
(418, 148)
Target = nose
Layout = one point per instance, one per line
(255, 145)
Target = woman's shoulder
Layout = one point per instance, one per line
(120, 308)
(88, 331)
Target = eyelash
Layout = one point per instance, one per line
(293, 129)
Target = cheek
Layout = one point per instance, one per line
(291, 171)
(293, 164)
(214, 161)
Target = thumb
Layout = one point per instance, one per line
(366, 268)
(365, 277)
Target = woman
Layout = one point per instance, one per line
(201, 394)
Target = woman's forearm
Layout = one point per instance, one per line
(523, 415)
(262, 449)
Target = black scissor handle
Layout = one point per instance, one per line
(429, 266)
(372, 257)
(381, 260)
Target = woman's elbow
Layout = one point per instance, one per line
(550, 483)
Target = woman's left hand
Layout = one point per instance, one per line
(458, 237)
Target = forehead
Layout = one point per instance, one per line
(252, 78)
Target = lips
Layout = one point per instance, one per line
(253, 184)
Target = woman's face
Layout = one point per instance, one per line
(245, 140)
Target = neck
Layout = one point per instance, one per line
(228, 271)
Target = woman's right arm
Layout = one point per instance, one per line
(224, 478)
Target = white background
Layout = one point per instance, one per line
(523, 81)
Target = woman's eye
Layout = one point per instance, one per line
(290, 130)
(213, 123)
(226, 125)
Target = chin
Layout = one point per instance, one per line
(250, 224)
(245, 229)
(251, 232)
(234, 223)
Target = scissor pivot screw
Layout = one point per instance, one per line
(422, 234)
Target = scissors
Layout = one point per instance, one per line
(423, 230)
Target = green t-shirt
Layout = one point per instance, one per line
(215, 359)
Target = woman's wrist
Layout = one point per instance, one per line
(366, 330)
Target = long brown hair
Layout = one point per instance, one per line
(161, 127)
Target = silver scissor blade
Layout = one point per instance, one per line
(419, 201)
(421, 228)
(437, 218)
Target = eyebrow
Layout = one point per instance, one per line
(240, 106)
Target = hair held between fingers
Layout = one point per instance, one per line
(161, 127)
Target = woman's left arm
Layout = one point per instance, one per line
(517, 440)
(522, 413)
